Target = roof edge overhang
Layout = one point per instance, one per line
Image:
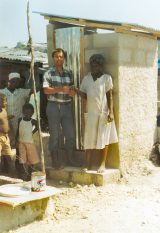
(66, 21)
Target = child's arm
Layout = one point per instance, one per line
(17, 133)
(35, 124)
(3, 101)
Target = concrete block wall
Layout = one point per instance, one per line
(137, 77)
(158, 82)
(158, 92)
(132, 62)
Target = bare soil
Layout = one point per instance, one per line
(130, 206)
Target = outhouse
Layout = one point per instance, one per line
(131, 59)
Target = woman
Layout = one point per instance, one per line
(100, 129)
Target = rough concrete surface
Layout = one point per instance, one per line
(22, 209)
(132, 205)
(75, 175)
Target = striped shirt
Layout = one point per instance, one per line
(52, 78)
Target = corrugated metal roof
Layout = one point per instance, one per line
(99, 24)
(20, 53)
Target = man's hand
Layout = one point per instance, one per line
(10, 117)
(72, 91)
(69, 90)
(66, 89)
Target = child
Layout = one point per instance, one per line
(28, 154)
(5, 148)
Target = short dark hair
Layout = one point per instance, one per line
(97, 58)
(58, 50)
(28, 106)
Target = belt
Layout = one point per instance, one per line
(60, 103)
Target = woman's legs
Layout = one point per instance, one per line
(103, 154)
(87, 162)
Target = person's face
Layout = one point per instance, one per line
(27, 113)
(58, 59)
(13, 83)
(96, 68)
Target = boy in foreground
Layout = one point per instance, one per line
(5, 148)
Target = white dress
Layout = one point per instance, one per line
(97, 133)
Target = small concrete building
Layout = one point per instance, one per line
(131, 53)
(158, 83)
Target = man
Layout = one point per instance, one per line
(16, 98)
(57, 86)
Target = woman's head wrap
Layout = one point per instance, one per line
(97, 58)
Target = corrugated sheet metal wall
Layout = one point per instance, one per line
(69, 40)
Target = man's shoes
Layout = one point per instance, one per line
(71, 159)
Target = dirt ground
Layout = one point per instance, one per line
(130, 206)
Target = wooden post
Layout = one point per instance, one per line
(31, 50)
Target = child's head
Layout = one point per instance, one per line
(28, 110)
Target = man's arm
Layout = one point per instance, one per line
(54, 90)
(35, 124)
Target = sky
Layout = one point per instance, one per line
(13, 18)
